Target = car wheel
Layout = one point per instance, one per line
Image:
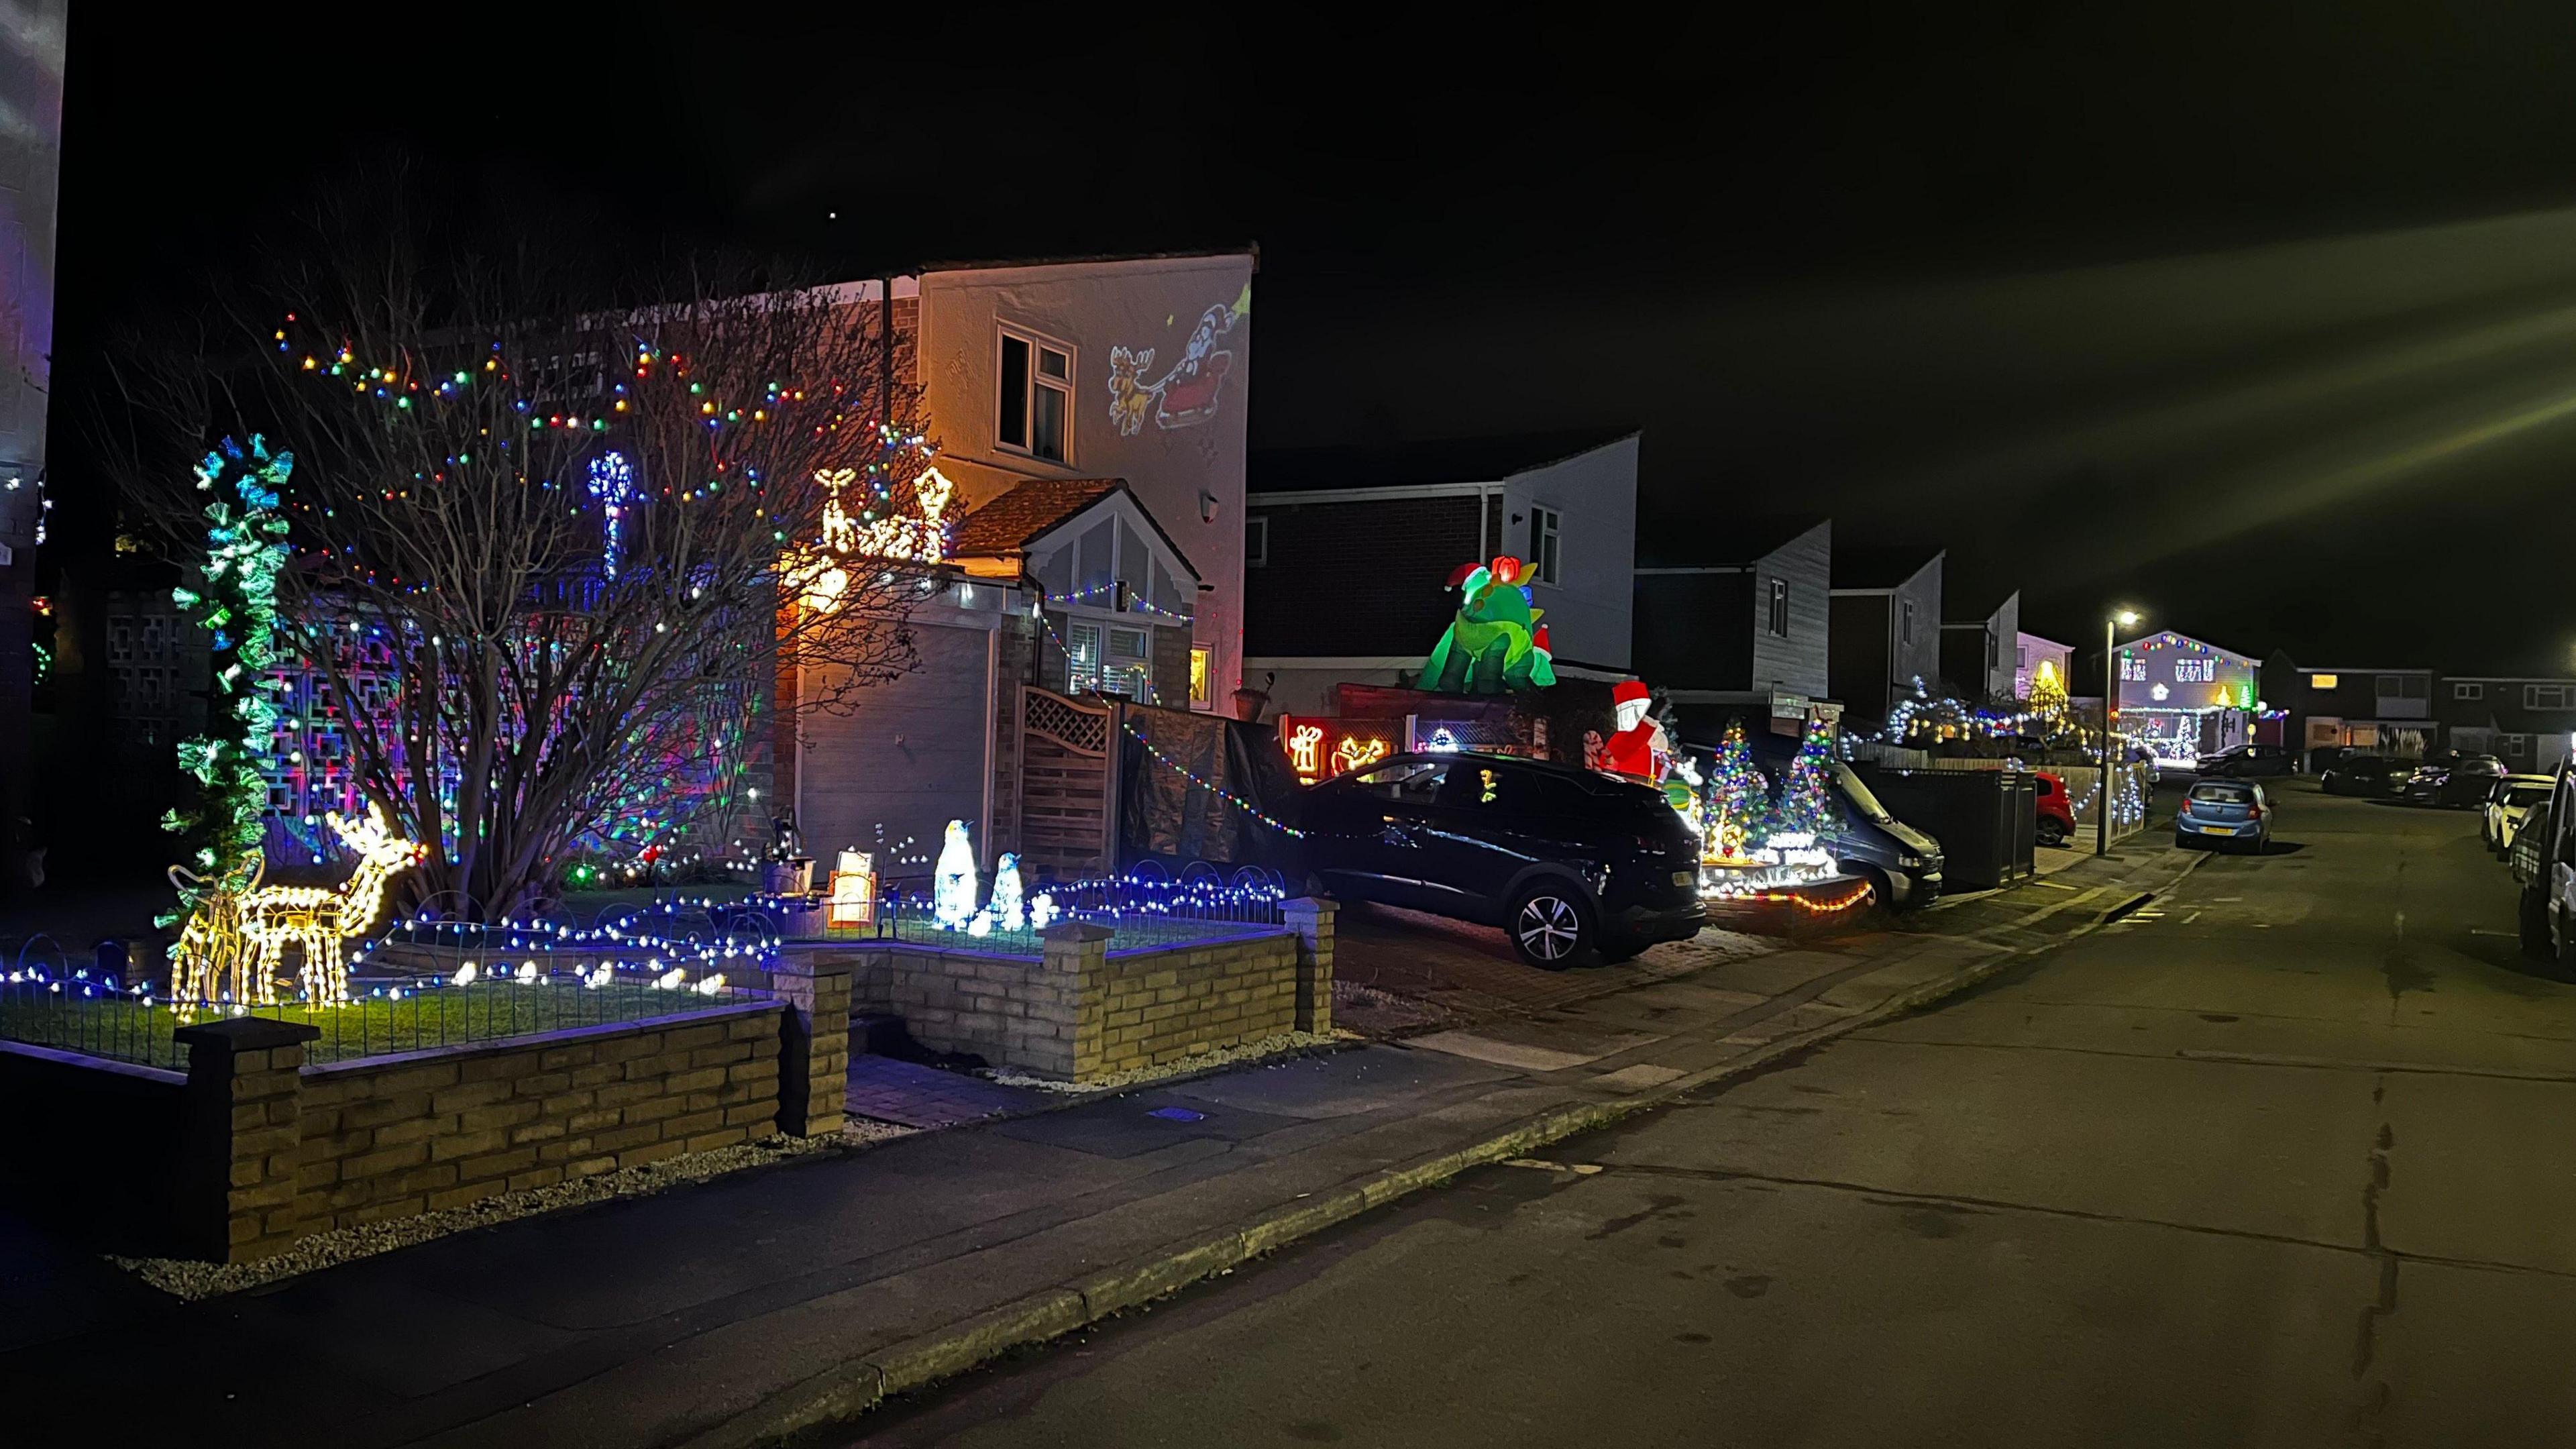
(1551, 926)
(2051, 833)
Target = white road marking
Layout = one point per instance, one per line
(2401, 925)
(2194, 916)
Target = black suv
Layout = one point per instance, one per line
(1568, 862)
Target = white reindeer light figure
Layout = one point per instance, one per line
(241, 947)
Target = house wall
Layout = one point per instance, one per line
(1861, 655)
(1797, 663)
(1364, 578)
(2029, 651)
(1188, 471)
(1920, 657)
(1590, 608)
(910, 753)
(1699, 630)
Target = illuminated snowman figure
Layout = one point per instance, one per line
(953, 889)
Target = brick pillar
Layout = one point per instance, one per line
(814, 1043)
(1311, 917)
(243, 1137)
(1077, 957)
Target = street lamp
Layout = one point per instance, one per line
(2122, 619)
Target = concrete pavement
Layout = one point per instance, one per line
(752, 1306)
(2283, 1158)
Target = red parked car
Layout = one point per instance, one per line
(2056, 812)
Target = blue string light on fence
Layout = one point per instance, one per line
(1222, 793)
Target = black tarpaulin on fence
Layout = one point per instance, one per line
(1163, 816)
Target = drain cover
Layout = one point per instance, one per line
(1177, 1114)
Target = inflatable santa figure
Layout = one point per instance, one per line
(1639, 748)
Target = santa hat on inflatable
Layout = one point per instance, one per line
(1625, 694)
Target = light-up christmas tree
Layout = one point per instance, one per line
(1736, 794)
(2047, 692)
(245, 548)
(1805, 806)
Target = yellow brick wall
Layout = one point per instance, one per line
(400, 1139)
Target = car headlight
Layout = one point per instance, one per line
(1910, 862)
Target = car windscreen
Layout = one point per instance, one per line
(1858, 794)
(2223, 793)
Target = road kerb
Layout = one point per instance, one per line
(800, 1413)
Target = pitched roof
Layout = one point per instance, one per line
(1879, 568)
(1010, 522)
(1394, 465)
(1667, 540)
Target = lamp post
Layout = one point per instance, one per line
(2110, 691)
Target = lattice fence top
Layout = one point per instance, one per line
(1081, 728)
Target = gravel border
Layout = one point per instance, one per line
(190, 1280)
(1283, 1043)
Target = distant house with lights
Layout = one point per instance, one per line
(1884, 634)
(2527, 722)
(1732, 620)
(2033, 654)
(2378, 709)
(1349, 551)
(2184, 697)
(1977, 657)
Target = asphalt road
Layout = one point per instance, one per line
(2288, 1159)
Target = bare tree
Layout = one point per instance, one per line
(550, 559)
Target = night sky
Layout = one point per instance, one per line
(2260, 317)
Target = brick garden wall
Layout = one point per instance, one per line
(393, 1137)
(1085, 1010)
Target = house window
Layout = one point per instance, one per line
(1202, 665)
(2403, 686)
(1543, 544)
(2513, 746)
(1035, 409)
(2324, 681)
(1780, 607)
(2021, 656)
(1130, 669)
(2546, 696)
(1256, 541)
(1081, 657)
(1905, 627)
(2461, 689)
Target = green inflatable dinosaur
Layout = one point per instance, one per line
(1496, 642)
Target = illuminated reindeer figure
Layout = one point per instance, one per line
(238, 939)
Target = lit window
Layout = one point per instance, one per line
(1544, 525)
(1202, 664)
(1129, 668)
(2324, 681)
(1035, 409)
(1081, 657)
(1256, 541)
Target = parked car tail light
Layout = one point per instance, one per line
(2253, 812)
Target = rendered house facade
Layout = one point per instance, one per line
(2033, 654)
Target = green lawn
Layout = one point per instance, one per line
(126, 1030)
